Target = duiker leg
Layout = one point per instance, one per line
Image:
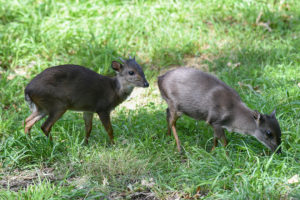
(105, 119)
(53, 117)
(33, 108)
(88, 120)
(218, 134)
(168, 118)
(32, 119)
(33, 115)
(172, 123)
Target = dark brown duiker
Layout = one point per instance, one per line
(204, 97)
(71, 87)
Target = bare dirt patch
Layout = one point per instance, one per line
(18, 180)
(138, 97)
(140, 190)
(145, 195)
(192, 61)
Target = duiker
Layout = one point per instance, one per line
(204, 97)
(71, 87)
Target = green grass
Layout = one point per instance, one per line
(225, 38)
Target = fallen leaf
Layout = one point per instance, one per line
(105, 181)
(263, 24)
(147, 183)
(11, 76)
(129, 187)
(233, 65)
(254, 89)
(294, 179)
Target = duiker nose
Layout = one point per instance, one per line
(146, 84)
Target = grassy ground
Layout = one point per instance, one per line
(251, 45)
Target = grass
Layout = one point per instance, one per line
(227, 38)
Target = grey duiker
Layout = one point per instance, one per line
(204, 97)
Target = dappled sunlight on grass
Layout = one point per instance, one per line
(252, 46)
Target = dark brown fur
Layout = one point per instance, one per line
(72, 87)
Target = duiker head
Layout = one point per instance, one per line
(268, 130)
(130, 72)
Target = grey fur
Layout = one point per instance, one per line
(202, 96)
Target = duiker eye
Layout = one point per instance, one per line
(131, 73)
(269, 133)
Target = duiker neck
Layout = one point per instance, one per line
(243, 121)
(123, 88)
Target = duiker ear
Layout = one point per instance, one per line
(273, 114)
(131, 57)
(116, 66)
(123, 61)
(257, 117)
(256, 114)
